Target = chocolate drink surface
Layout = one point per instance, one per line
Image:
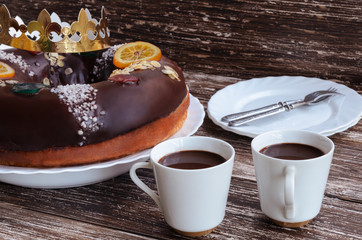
(291, 151)
(194, 159)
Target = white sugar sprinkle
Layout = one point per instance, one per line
(16, 59)
(104, 61)
(81, 102)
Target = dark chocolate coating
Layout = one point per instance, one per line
(31, 123)
(41, 68)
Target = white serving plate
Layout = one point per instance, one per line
(332, 116)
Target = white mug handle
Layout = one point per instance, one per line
(289, 184)
(140, 184)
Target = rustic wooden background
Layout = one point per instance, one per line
(242, 39)
(217, 43)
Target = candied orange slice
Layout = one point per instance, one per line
(6, 71)
(135, 52)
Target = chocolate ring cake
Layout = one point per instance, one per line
(71, 109)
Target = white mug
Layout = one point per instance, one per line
(193, 201)
(291, 191)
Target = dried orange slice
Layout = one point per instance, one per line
(6, 71)
(135, 52)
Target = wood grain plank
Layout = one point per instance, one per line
(117, 204)
(245, 217)
(37, 225)
(237, 38)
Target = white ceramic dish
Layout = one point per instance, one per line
(93, 173)
(328, 118)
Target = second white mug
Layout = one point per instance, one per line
(291, 191)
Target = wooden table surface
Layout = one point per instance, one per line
(217, 43)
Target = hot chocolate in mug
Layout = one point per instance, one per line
(193, 201)
(291, 191)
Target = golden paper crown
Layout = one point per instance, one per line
(49, 34)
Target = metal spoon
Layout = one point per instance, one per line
(313, 98)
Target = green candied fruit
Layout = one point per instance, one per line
(27, 88)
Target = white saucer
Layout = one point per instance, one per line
(335, 115)
(93, 173)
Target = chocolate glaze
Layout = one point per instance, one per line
(30, 123)
(41, 68)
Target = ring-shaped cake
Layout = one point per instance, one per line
(70, 109)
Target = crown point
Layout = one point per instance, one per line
(54, 35)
